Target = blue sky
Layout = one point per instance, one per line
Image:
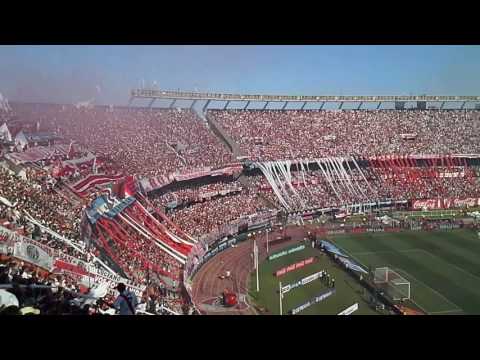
(66, 74)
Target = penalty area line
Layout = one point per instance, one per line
(446, 311)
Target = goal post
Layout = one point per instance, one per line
(395, 285)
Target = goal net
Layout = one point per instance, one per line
(395, 285)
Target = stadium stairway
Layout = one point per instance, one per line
(223, 137)
(67, 194)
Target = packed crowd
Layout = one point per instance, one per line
(296, 134)
(59, 295)
(425, 183)
(29, 290)
(35, 197)
(206, 217)
(141, 141)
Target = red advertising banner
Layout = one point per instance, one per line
(281, 272)
(447, 203)
(309, 261)
(291, 267)
(299, 265)
(426, 204)
(294, 266)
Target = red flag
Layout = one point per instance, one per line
(57, 169)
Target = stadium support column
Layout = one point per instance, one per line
(441, 106)
(266, 104)
(379, 104)
(285, 105)
(280, 297)
(303, 106)
(321, 106)
(267, 240)
(172, 103)
(360, 105)
(463, 105)
(255, 252)
(130, 101)
(206, 106)
(193, 104)
(340, 107)
(151, 103)
(226, 105)
(246, 106)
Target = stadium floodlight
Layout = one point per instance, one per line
(395, 285)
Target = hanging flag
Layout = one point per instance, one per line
(57, 169)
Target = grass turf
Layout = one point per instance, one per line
(348, 291)
(443, 266)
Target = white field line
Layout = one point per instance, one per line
(382, 252)
(457, 308)
(421, 307)
(372, 252)
(445, 312)
(449, 263)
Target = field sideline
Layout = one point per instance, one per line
(443, 266)
(348, 290)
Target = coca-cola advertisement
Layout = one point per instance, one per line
(445, 203)
(428, 204)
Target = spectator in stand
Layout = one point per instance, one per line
(126, 301)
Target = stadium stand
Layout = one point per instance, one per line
(79, 184)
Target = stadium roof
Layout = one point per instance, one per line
(188, 95)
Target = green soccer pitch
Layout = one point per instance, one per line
(443, 267)
(348, 290)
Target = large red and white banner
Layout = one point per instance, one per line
(93, 180)
(155, 183)
(37, 153)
